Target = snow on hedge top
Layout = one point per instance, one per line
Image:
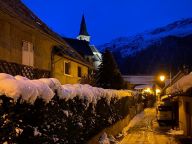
(181, 85)
(45, 88)
(28, 90)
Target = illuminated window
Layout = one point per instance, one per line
(67, 66)
(79, 72)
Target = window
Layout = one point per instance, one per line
(27, 53)
(79, 72)
(67, 66)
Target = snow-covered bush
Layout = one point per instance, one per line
(58, 121)
(28, 90)
(44, 111)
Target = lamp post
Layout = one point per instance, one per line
(162, 79)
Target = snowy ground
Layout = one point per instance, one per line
(143, 129)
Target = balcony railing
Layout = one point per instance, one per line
(23, 70)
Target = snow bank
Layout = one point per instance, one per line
(45, 88)
(104, 139)
(181, 85)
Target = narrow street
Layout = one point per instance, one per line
(144, 129)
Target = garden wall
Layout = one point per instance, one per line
(117, 128)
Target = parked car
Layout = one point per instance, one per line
(164, 114)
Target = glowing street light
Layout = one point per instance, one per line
(162, 78)
(158, 91)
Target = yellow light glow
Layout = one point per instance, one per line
(158, 91)
(162, 78)
(148, 90)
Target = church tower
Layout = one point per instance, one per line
(83, 34)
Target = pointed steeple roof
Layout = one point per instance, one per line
(83, 28)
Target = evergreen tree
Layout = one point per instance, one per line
(108, 75)
(89, 79)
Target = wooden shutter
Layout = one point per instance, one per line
(27, 54)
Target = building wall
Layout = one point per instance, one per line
(185, 115)
(12, 34)
(58, 68)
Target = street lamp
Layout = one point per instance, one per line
(161, 81)
(162, 78)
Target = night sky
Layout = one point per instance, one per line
(108, 19)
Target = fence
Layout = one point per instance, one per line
(23, 70)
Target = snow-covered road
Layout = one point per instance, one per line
(143, 129)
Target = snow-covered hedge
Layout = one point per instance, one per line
(44, 111)
(58, 121)
(45, 88)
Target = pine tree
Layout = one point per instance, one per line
(108, 75)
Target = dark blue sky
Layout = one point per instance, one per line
(108, 19)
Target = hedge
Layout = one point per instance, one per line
(59, 121)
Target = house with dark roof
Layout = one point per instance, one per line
(83, 47)
(29, 47)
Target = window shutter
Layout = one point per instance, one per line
(27, 53)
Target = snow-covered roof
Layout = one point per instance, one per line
(181, 85)
(94, 49)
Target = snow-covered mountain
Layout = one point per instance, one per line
(128, 46)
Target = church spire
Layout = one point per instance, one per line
(83, 28)
(83, 34)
